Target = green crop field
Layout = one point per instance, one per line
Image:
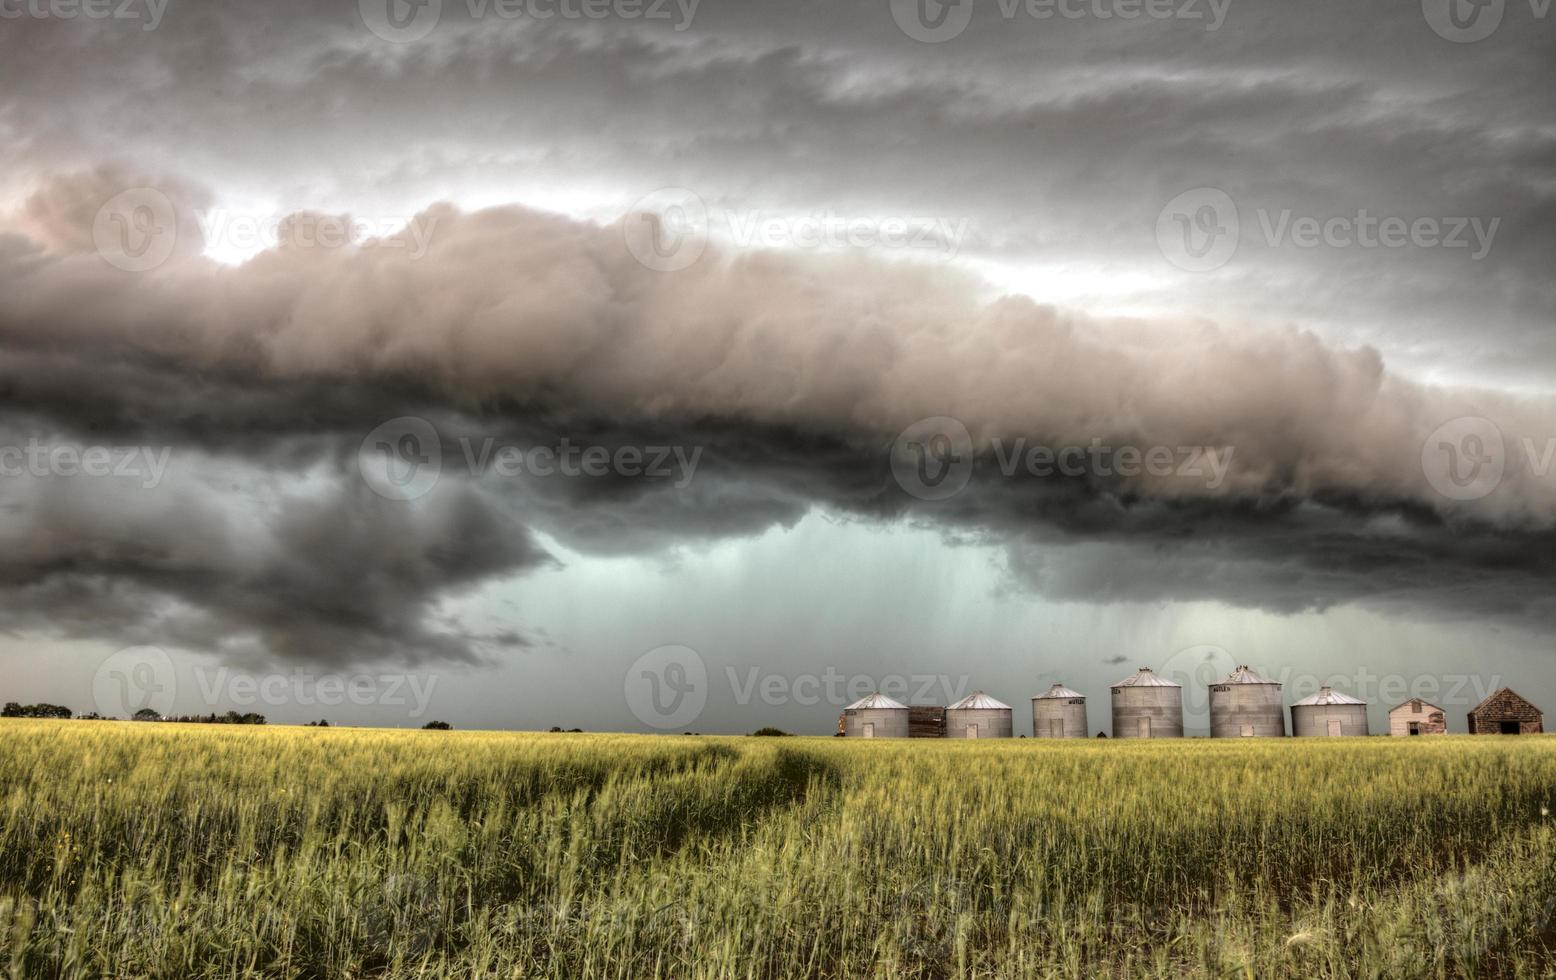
(132, 850)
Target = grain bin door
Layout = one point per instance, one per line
(1056, 728)
(1247, 731)
(869, 729)
(1144, 728)
(971, 731)
(1334, 728)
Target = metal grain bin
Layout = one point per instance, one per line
(1245, 705)
(1147, 706)
(1329, 713)
(978, 716)
(876, 716)
(1059, 713)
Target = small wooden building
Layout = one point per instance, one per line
(1505, 713)
(1417, 717)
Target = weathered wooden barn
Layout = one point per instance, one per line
(1505, 713)
(1417, 717)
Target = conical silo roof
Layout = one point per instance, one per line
(1244, 675)
(1146, 677)
(1058, 691)
(977, 700)
(1328, 695)
(876, 700)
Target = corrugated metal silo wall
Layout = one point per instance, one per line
(1238, 710)
(1314, 719)
(991, 722)
(1070, 713)
(888, 722)
(1161, 707)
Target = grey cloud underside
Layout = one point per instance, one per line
(339, 575)
(334, 575)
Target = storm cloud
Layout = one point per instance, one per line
(1297, 477)
(462, 229)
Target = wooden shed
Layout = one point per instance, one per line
(1505, 713)
(1417, 717)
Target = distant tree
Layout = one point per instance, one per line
(147, 714)
(556, 728)
(438, 726)
(575, 729)
(321, 723)
(230, 718)
(771, 732)
(14, 710)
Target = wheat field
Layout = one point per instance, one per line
(161, 850)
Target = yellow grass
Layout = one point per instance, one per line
(187, 851)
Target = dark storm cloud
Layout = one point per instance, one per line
(1057, 141)
(786, 375)
(324, 573)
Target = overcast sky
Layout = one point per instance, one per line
(672, 365)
